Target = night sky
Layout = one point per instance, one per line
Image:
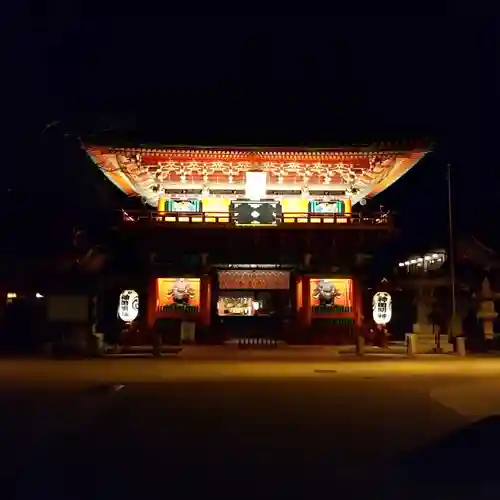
(250, 81)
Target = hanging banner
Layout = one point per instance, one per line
(258, 279)
(382, 308)
(255, 213)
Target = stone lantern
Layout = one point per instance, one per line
(487, 313)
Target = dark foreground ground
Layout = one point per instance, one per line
(191, 429)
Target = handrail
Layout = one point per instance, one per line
(231, 218)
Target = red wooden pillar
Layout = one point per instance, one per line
(357, 308)
(151, 303)
(298, 293)
(306, 301)
(205, 299)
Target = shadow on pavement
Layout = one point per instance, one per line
(465, 457)
(240, 439)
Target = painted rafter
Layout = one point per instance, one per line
(147, 171)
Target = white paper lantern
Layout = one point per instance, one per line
(382, 308)
(128, 305)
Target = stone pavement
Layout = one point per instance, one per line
(247, 428)
(62, 373)
(294, 352)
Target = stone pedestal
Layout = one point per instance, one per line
(460, 350)
(411, 344)
(428, 343)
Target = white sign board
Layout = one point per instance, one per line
(68, 308)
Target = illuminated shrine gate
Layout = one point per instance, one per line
(254, 205)
(202, 180)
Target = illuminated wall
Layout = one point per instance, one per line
(294, 205)
(221, 206)
(348, 206)
(174, 293)
(215, 205)
(293, 208)
(331, 294)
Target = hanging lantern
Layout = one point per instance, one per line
(128, 305)
(382, 308)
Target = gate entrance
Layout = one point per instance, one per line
(252, 304)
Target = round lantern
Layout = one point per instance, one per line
(128, 306)
(382, 308)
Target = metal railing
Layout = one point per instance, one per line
(231, 218)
